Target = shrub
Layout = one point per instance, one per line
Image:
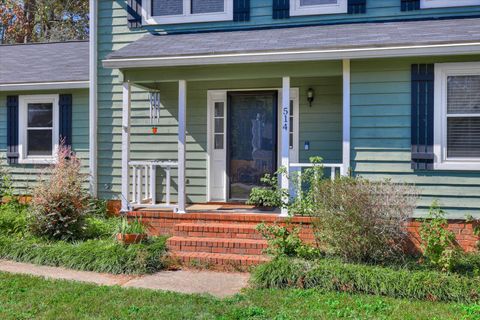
(334, 275)
(13, 218)
(134, 226)
(92, 255)
(285, 241)
(438, 243)
(361, 220)
(99, 228)
(60, 203)
(271, 195)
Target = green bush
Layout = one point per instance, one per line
(285, 241)
(438, 243)
(100, 228)
(271, 195)
(333, 275)
(13, 219)
(134, 226)
(92, 255)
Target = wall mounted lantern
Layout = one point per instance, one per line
(310, 96)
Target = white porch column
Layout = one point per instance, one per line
(126, 110)
(346, 117)
(182, 113)
(285, 134)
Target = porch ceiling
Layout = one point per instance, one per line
(327, 42)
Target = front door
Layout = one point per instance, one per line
(251, 140)
(242, 130)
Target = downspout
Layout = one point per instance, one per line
(92, 100)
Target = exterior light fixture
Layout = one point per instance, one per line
(310, 96)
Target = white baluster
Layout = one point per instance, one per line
(134, 183)
(153, 174)
(139, 185)
(332, 173)
(167, 185)
(145, 177)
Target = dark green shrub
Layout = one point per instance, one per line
(100, 228)
(60, 201)
(134, 226)
(271, 195)
(438, 243)
(334, 275)
(91, 255)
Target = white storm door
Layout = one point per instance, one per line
(294, 136)
(217, 145)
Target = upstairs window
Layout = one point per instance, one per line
(457, 113)
(427, 4)
(315, 7)
(184, 11)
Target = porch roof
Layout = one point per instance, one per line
(325, 42)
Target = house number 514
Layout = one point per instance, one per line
(285, 118)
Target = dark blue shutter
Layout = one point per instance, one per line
(12, 129)
(134, 13)
(422, 116)
(65, 130)
(357, 6)
(281, 9)
(241, 10)
(410, 5)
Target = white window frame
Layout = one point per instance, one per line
(428, 4)
(297, 10)
(23, 102)
(442, 72)
(186, 17)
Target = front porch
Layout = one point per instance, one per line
(174, 152)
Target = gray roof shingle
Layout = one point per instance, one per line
(326, 37)
(44, 62)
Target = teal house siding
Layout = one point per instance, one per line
(24, 176)
(380, 142)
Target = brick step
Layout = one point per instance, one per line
(218, 260)
(217, 245)
(217, 230)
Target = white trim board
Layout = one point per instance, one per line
(45, 86)
(296, 9)
(299, 55)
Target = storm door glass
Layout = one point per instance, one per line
(251, 140)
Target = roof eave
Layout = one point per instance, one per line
(297, 55)
(59, 85)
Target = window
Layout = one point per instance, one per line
(426, 4)
(310, 7)
(457, 116)
(38, 128)
(183, 11)
(219, 125)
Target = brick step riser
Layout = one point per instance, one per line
(208, 249)
(220, 263)
(219, 234)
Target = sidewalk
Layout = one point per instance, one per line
(219, 284)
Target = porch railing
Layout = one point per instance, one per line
(144, 183)
(336, 169)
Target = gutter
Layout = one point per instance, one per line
(296, 55)
(92, 123)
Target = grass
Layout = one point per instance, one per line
(25, 297)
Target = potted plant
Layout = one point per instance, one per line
(130, 232)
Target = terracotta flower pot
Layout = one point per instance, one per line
(130, 238)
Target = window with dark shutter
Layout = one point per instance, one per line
(241, 10)
(357, 6)
(12, 130)
(422, 123)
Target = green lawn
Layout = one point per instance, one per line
(23, 297)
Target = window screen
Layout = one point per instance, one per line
(463, 116)
(207, 6)
(167, 7)
(317, 2)
(40, 129)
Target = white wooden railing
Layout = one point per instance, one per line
(335, 168)
(143, 185)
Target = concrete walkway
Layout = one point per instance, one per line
(219, 284)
